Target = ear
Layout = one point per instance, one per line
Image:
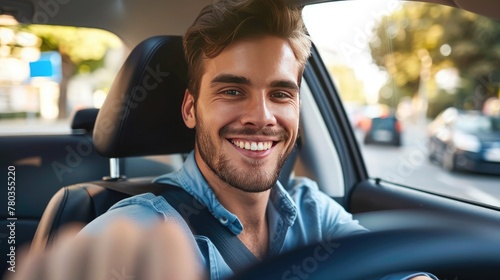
(188, 112)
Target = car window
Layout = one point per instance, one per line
(477, 124)
(49, 72)
(406, 71)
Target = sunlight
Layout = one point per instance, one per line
(327, 24)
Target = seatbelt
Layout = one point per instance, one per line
(196, 215)
(202, 222)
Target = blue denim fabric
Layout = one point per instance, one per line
(300, 216)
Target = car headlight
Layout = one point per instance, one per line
(466, 142)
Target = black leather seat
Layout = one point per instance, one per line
(141, 116)
(84, 120)
(44, 163)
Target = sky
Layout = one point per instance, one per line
(342, 30)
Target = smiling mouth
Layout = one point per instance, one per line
(253, 146)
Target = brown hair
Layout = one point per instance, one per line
(226, 21)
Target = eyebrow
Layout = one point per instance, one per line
(285, 84)
(235, 79)
(230, 79)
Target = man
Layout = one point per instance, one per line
(245, 61)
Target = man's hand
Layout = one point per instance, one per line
(122, 252)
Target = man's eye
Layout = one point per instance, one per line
(232, 92)
(281, 95)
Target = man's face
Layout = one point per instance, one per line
(247, 113)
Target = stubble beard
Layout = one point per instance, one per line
(255, 179)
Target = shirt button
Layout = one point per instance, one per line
(223, 220)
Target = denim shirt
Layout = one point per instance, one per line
(300, 216)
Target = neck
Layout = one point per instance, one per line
(250, 208)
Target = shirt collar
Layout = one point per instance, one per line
(189, 177)
(283, 203)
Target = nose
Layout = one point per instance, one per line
(258, 112)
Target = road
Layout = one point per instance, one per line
(409, 165)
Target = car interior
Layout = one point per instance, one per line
(115, 151)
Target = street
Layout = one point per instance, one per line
(409, 165)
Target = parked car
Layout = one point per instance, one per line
(384, 130)
(362, 118)
(468, 141)
(454, 238)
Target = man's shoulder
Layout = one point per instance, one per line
(305, 188)
(305, 193)
(314, 204)
(146, 200)
(143, 209)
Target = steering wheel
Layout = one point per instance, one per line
(450, 251)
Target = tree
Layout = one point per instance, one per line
(82, 50)
(452, 38)
(351, 89)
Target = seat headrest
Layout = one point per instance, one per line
(142, 112)
(84, 119)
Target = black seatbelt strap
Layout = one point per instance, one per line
(202, 222)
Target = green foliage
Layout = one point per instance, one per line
(83, 47)
(391, 94)
(403, 37)
(440, 104)
(350, 87)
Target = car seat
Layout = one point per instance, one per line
(140, 116)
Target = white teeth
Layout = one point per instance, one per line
(253, 146)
